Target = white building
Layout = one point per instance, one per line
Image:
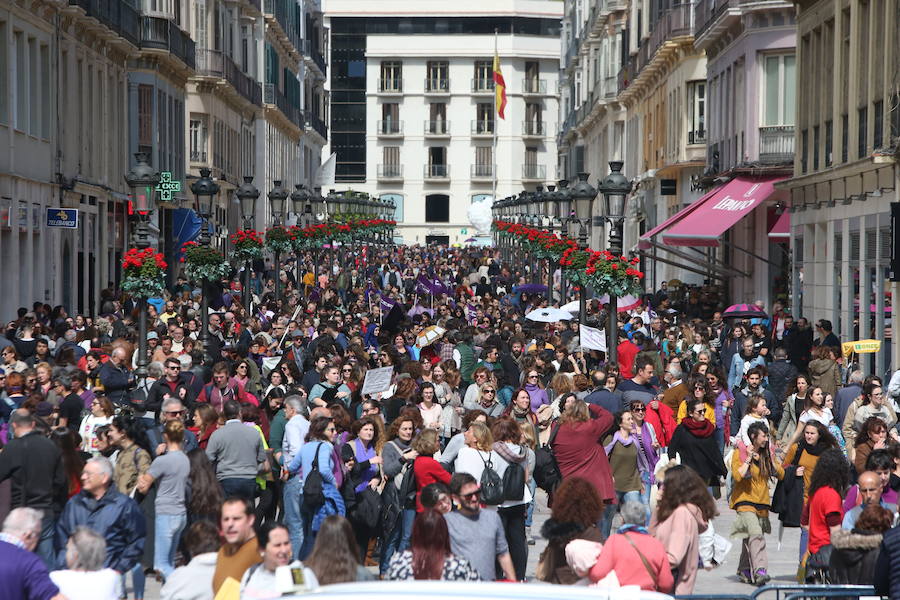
(412, 105)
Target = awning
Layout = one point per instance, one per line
(644, 242)
(716, 213)
(779, 225)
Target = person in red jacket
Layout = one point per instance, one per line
(426, 469)
(626, 352)
(578, 449)
(662, 419)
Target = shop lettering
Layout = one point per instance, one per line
(731, 205)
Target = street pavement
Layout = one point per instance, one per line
(721, 580)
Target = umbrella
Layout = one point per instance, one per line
(744, 311)
(532, 288)
(861, 347)
(625, 303)
(548, 315)
(470, 240)
(429, 335)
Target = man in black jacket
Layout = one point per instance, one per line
(172, 385)
(34, 464)
(115, 377)
(887, 569)
(798, 340)
(781, 374)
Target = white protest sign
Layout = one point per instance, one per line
(591, 338)
(377, 380)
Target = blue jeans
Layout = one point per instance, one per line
(645, 496)
(611, 509)
(532, 485)
(398, 539)
(242, 488)
(804, 541)
(293, 494)
(45, 545)
(165, 541)
(138, 580)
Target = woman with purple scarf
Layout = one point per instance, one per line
(631, 454)
(361, 457)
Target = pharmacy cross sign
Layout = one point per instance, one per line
(167, 186)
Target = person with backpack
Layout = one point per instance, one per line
(426, 468)
(398, 512)
(514, 463)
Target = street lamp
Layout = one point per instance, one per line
(277, 197)
(615, 188)
(302, 209)
(204, 189)
(142, 179)
(247, 194)
(583, 194)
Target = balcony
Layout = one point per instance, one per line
(311, 51)
(533, 129)
(162, 34)
(390, 172)
(198, 156)
(439, 128)
(436, 172)
(273, 96)
(213, 63)
(314, 123)
(481, 85)
(390, 128)
(118, 16)
(482, 128)
(674, 23)
(776, 144)
(534, 172)
(437, 86)
(534, 87)
(390, 86)
(481, 172)
(281, 10)
(697, 136)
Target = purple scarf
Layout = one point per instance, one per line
(646, 455)
(363, 454)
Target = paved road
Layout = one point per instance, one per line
(782, 563)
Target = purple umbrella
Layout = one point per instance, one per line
(532, 288)
(744, 311)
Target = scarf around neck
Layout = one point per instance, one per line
(642, 460)
(700, 429)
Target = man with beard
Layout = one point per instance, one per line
(753, 386)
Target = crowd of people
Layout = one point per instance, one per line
(267, 440)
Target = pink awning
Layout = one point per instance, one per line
(716, 213)
(644, 242)
(779, 225)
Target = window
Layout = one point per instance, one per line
(391, 156)
(390, 118)
(391, 76)
(845, 129)
(779, 90)
(696, 112)
(484, 161)
(533, 121)
(398, 204)
(437, 162)
(484, 117)
(878, 138)
(437, 208)
(200, 21)
(862, 137)
(45, 91)
(438, 76)
(437, 115)
(829, 142)
(21, 83)
(484, 76)
(145, 118)
(198, 138)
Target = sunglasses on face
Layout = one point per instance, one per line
(638, 409)
(471, 496)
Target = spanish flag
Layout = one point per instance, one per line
(499, 88)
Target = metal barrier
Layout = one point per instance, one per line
(791, 592)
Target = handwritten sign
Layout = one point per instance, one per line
(377, 380)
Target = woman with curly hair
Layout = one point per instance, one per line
(822, 516)
(683, 511)
(335, 556)
(577, 508)
(872, 436)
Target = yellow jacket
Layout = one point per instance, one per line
(682, 412)
(751, 492)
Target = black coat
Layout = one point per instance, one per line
(699, 453)
(798, 345)
(853, 557)
(781, 373)
(887, 566)
(787, 501)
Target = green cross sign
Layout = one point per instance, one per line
(167, 186)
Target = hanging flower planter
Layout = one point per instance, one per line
(248, 245)
(143, 272)
(204, 263)
(279, 239)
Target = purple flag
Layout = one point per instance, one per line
(386, 303)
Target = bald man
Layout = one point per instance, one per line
(870, 488)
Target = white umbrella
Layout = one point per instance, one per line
(548, 315)
(625, 303)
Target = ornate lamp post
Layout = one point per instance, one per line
(277, 197)
(583, 194)
(615, 188)
(247, 194)
(204, 189)
(563, 200)
(142, 179)
(299, 201)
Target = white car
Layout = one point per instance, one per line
(450, 590)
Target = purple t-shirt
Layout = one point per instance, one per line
(23, 575)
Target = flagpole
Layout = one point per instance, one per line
(496, 124)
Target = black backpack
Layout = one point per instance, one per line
(407, 489)
(314, 486)
(514, 483)
(491, 485)
(546, 470)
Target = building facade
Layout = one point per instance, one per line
(412, 105)
(845, 169)
(64, 90)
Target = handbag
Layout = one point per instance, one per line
(314, 486)
(546, 470)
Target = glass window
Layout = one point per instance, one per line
(437, 208)
(696, 112)
(780, 90)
